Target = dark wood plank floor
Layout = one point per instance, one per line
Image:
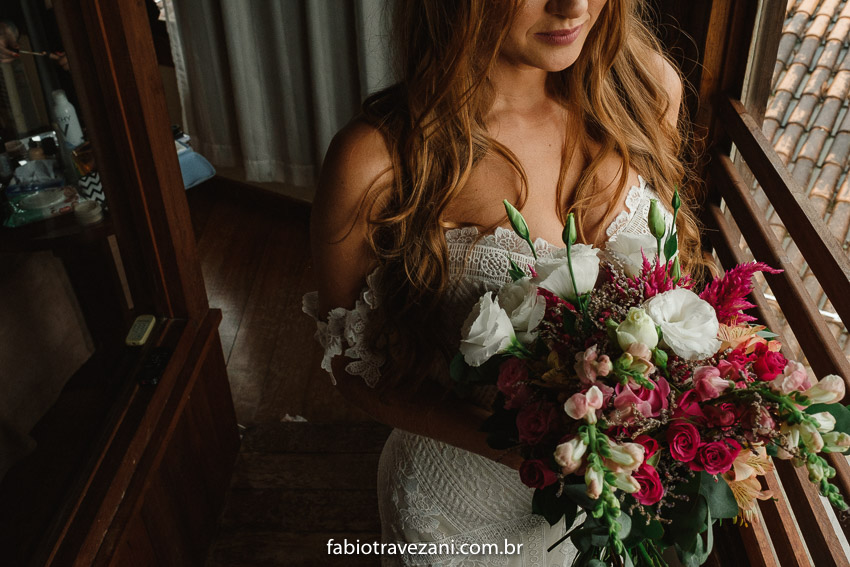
(296, 484)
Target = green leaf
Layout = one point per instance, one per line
(596, 563)
(721, 501)
(545, 503)
(578, 494)
(838, 411)
(515, 271)
(458, 369)
(767, 334)
(671, 245)
(625, 522)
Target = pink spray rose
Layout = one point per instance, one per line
(513, 375)
(684, 441)
(535, 473)
(717, 457)
(651, 489)
(535, 421)
(768, 364)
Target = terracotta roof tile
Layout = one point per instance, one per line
(839, 150)
(802, 113)
(808, 120)
(793, 77)
(779, 106)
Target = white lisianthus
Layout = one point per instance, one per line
(629, 249)
(553, 273)
(638, 327)
(486, 332)
(524, 306)
(688, 324)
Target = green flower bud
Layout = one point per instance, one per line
(656, 220)
(517, 221)
(570, 235)
(677, 270)
(677, 202)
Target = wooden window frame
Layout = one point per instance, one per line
(728, 125)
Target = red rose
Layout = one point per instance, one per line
(650, 445)
(534, 422)
(717, 457)
(512, 378)
(687, 406)
(722, 415)
(651, 489)
(536, 474)
(769, 364)
(684, 441)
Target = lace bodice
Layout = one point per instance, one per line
(477, 264)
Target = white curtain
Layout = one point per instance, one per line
(265, 84)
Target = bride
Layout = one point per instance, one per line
(557, 106)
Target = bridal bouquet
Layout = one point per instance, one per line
(650, 406)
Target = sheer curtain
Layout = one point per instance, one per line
(265, 85)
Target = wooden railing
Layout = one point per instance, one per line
(819, 545)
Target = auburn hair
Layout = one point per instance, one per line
(433, 122)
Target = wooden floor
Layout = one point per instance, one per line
(296, 484)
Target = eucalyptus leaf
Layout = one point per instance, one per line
(721, 501)
(838, 411)
(625, 522)
(595, 563)
(767, 334)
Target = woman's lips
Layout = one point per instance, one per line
(559, 37)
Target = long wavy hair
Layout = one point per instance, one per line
(433, 122)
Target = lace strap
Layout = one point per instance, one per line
(344, 333)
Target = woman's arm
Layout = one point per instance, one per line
(358, 158)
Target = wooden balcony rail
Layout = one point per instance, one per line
(820, 544)
(824, 254)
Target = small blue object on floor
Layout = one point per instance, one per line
(194, 167)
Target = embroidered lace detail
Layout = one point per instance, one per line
(345, 333)
(488, 258)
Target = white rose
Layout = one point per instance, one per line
(486, 332)
(628, 250)
(553, 273)
(688, 324)
(638, 327)
(524, 306)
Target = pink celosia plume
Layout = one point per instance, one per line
(728, 293)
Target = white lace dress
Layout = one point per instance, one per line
(431, 492)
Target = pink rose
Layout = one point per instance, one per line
(535, 421)
(650, 403)
(768, 364)
(684, 441)
(650, 445)
(687, 407)
(513, 376)
(651, 489)
(717, 457)
(722, 415)
(536, 474)
(733, 366)
(708, 383)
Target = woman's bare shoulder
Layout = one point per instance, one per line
(670, 81)
(356, 158)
